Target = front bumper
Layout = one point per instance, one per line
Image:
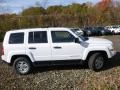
(113, 53)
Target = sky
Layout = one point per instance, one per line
(16, 6)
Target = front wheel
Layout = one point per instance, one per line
(96, 62)
(22, 65)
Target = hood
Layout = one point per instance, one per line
(93, 40)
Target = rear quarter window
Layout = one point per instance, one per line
(16, 38)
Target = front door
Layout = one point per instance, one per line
(64, 46)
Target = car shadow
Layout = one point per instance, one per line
(112, 63)
(57, 68)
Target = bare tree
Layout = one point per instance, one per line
(42, 3)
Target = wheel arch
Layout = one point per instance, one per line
(104, 53)
(17, 56)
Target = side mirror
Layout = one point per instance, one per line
(77, 40)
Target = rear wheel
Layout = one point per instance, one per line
(96, 62)
(22, 65)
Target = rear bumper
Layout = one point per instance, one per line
(3, 57)
(4, 60)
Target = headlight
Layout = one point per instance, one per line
(111, 48)
(103, 31)
(88, 32)
(85, 44)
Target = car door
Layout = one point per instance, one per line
(39, 46)
(64, 46)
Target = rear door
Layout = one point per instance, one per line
(39, 46)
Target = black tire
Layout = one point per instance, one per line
(96, 62)
(22, 66)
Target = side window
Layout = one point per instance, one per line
(38, 37)
(16, 38)
(62, 36)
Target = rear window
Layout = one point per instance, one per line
(16, 38)
(38, 37)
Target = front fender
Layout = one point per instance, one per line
(91, 49)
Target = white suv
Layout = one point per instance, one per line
(50, 46)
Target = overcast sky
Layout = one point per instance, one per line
(16, 6)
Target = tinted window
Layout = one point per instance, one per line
(38, 37)
(16, 38)
(62, 36)
(100, 28)
(115, 27)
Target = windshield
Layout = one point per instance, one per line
(78, 33)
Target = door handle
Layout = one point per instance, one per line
(32, 47)
(56, 47)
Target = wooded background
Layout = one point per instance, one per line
(106, 12)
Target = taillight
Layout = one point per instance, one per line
(2, 51)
